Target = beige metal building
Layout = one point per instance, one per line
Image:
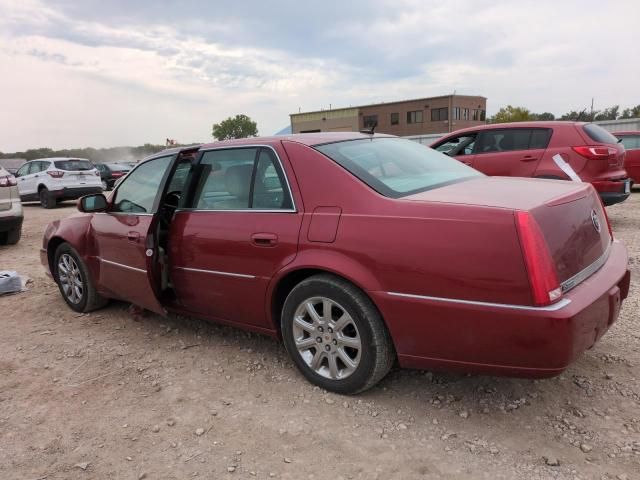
(408, 117)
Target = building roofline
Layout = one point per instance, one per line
(386, 103)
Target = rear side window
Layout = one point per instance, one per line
(73, 165)
(539, 138)
(631, 142)
(241, 179)
(598, 134)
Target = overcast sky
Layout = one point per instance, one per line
(114, 72)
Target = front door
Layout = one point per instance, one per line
(26, 177)
(460, 147)
(126, 236)
(238, 229)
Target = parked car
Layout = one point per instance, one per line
(356, 250)
(111, 172)
(558, 150)
(10, 209)
(631, 142)
(52, 180)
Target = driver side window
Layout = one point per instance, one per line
(138, 191)
(24, 170)
(458, 146)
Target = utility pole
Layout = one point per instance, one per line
(591, 115)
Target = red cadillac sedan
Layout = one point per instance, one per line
(357, 250)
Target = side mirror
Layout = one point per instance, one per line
(96, 202)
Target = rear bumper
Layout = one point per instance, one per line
(494, 339)
(11, 219)
(613, 191)
(75, 193)
(8, 224)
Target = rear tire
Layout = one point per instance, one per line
(74, 281)
(13, 236)
(46, 199)
(335, 335)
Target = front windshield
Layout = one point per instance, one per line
(396, 167)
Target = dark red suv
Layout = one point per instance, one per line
(561, 150)
(631, 142)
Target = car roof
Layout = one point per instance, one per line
(309, 139)
(493, 126)
(51, 159)
(626, 132)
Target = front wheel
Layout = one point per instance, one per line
(335, 335)
(74, 280)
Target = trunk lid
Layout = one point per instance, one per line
(566, 212)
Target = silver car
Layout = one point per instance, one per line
(10, 209)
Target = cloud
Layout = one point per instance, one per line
(134, 72)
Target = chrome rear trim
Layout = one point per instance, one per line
(581, 276)
(215, 272)
(548, 308)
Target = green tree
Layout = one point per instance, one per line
(633, 112)
(512, 114)
(543, 116)
(582, 116)
(610, 113)
(240, 126)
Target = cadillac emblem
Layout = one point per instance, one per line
(596, 221)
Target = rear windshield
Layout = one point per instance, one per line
(395, 167)
(73, 165)
(599, 134)
(119, 167)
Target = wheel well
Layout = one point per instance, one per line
(41, 187)
(52, 246)
(289, 281)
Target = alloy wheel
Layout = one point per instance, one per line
(327, 338)
(70, 278)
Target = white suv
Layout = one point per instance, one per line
(51, 180)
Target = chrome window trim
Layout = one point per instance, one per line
(126, 267)
(245, 210)
(548, 308)
(216, 272)
(284, 172)
(582, 275)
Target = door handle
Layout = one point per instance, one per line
(133, 236)
(528, 158)
(264, 239)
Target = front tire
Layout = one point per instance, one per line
(74, 281)
(335, 335)
(46, 199)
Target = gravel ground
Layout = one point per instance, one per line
(109, 395)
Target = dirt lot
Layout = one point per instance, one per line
(107, 395)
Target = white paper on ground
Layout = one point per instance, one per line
(566, 168)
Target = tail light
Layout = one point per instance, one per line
(55, 173)
(545, 287)
(97, 173)
(117, 174)
(598, 153)
(8, 181)
(606, 217)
